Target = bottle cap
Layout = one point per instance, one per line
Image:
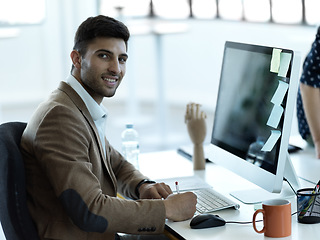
(129, 125)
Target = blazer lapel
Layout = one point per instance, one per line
(85, 112)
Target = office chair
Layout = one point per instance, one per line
(14, 215)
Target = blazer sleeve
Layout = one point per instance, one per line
(128, 177)
(67, 154)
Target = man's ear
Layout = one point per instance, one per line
(76, 59)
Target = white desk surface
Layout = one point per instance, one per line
(170, 164)
(306, 165)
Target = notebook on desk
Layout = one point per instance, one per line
(208, 199)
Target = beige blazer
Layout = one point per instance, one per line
(72, 185)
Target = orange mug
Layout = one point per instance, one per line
(276, 218)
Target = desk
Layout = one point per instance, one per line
(306, 165)
(170, 164)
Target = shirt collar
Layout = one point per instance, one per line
(96, 111)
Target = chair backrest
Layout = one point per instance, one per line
(14, 215)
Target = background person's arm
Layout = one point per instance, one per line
(311, 105)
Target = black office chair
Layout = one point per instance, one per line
(14, 215)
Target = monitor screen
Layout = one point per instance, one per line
(253, 113)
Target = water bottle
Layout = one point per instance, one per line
(130, 145)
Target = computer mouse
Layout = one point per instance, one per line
(206, 221)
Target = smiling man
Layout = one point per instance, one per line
(73, 173)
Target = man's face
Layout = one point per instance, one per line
(103, 67)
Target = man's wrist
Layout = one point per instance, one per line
(139, 185)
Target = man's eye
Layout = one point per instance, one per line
(122, 60)
(103, 55)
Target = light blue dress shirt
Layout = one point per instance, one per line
(98, 112)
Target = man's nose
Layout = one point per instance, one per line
(114, 67)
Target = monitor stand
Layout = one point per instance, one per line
(258, 195)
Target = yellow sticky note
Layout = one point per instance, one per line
(275, 60)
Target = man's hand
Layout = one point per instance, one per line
(154, 191)
(180, 207)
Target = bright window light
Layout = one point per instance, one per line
(204, 9)
(21, 12)
(256, 10)
(125, 8)
(287, 11)
(281, 11)
(312, 12)
(230, 9)
(177, 9)
(111, 8)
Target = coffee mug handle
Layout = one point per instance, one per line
(254, 221)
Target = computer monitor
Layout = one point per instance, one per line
(252, 122)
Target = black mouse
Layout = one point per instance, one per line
(206, 221)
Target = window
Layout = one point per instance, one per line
(312, 8)
(18, 12)
(274, 11)
(256, 10)
(287, 11)
(204, 9)
(230, 9)
(115, 8)
(177, 9)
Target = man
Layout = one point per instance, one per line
(73, 173)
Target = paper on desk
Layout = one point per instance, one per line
(275, 116)
(272, 140)
(185, 183)
(275, 60)
(285, 59)
(279, 94)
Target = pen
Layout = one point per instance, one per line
(177, 187)
(316, 189)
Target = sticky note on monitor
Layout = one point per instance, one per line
(285, 59)
(275, 60)
(279, 94)
(272, 140)
(275, 116)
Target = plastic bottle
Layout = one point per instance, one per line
(130, 145)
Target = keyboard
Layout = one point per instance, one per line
(210, 200)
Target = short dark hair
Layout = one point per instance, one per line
(99, 26)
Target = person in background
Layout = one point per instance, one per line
(73, 173)
(308, 101)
